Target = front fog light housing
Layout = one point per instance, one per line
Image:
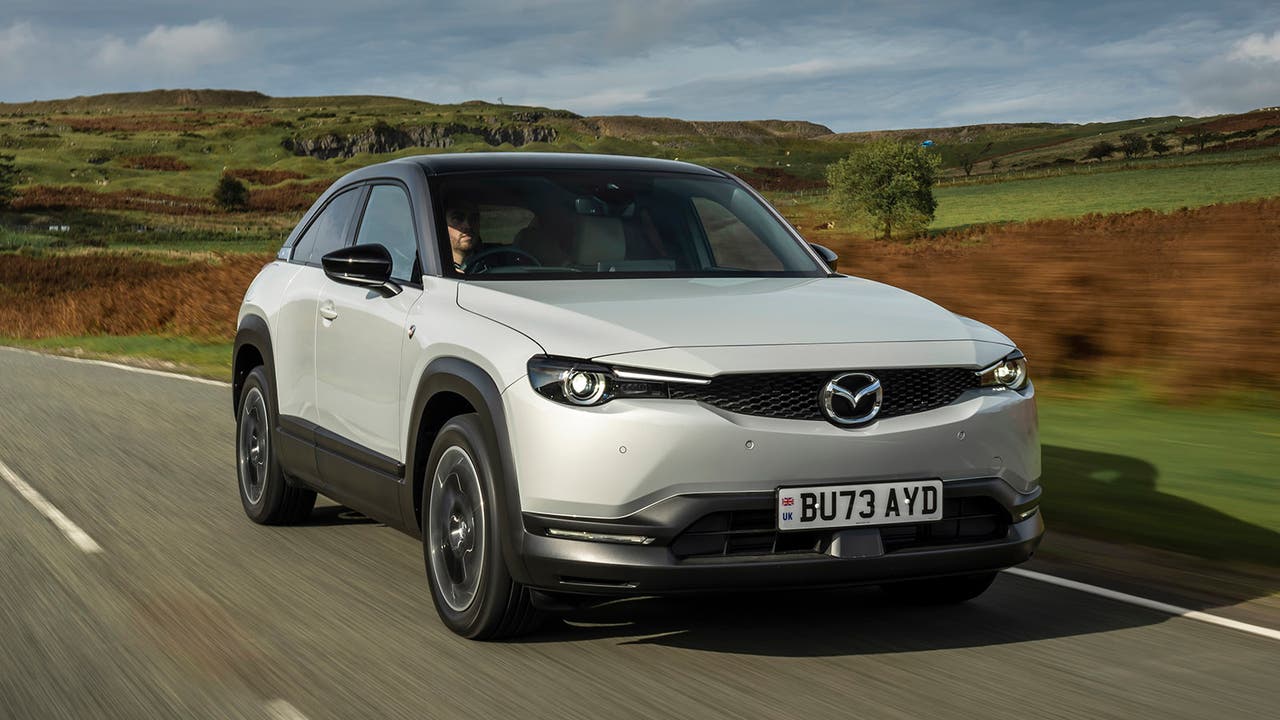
(1011, 373)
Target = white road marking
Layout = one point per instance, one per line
(73, 532)
(118, 366)
(282, 710)
(1146, 603)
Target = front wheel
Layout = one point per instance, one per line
(942, 590)
(267, 497)
(470, 584)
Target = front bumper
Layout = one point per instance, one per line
(834, 558)
(615, 460)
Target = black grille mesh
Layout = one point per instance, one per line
(794, 396)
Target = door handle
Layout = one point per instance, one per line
(328, 311)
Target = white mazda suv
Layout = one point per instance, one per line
(582, 375)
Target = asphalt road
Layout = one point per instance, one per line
(191, 611)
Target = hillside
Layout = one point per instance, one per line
(151, 159)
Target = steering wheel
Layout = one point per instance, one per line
(478, 263)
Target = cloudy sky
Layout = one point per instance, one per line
(848, 65)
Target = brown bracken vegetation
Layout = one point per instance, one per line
(290, 197)
(1194, 294)
(107, 294)
(58, 197)
(154, 162)
(163, 121)
(260, 176)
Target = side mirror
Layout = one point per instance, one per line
(367, 266)
(827, 256)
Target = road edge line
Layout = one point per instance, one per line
(1146, 603)
(118, 366)
(78, 537)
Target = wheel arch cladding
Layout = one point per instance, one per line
(252, 348)
(450, 387)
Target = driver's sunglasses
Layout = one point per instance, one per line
(470, 218)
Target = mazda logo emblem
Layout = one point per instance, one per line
(851, 399)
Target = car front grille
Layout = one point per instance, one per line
(742, 533)
(794, 396)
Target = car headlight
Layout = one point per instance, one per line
(1011, 372)
(584, 383)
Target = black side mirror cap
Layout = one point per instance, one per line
(828, 257)
(367, 266)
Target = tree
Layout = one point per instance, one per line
(888, 183)
(1133, 144)
(231, 194)
(1159, 145)
(1202, 136)
(8, 180)
(1101, 149)
(970, 158)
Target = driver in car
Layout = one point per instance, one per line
(463, 219)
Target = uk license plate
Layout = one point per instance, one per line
(833, 506)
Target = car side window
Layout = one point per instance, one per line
(328, 231)
(388, 221)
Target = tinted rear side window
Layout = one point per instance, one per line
(328, 231)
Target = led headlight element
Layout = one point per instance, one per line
(1011, 372)
(583, 383)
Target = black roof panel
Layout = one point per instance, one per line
(499, 161)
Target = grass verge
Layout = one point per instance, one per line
(173, 354)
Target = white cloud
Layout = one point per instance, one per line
(1243, 78)
(1257, 47)
(16, 44)
(176, 49)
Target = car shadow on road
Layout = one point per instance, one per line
(859, 621)
(1118, 497)
(330, 515)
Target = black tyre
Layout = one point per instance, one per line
(941, 591)
(267, 497)
(470, 584)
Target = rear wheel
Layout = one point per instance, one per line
(267, 497)
(940, 591)
(470, 584)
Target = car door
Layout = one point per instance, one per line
(294, 341)
(359, 339)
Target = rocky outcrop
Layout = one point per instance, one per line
(383, 138)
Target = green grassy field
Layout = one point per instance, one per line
(1152, 186)
(1202, 481)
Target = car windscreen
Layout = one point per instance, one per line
(610, 224)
